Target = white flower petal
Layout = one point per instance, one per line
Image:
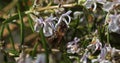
(108, 6)
(40, 58)
(37, 27)
(89, 3)
(114, 23)
(48, 31)
(103, 53)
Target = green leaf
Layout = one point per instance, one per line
(44, 43)
(34, 49)
(108, 35)
(1, 32)
(66, 58)
(1, 20)
(12, 18)
(11, 37)
(13, 52)
(31, 23)
(21, 26)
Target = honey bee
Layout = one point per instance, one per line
(56, 38)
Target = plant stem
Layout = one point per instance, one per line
(30, 22)
(1, 32)
(21, 26)
(11, 37)
(50, 7)
(44, 43)
(34, 49)
(108, 36)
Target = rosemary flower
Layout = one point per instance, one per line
(63, 18)
(40, 58)
(47, 25)
(113, 25)
(89, 3)
(73, 47)
(95, 45)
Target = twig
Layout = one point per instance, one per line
(42, 50)
(51, 7)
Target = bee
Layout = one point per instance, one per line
(56, 38)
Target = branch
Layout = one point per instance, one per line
(51, 7)
(54, 7)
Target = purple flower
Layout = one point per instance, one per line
(95, 45)
(103, 53)
(114, 23)
(40, 58)
(39, 23)
(85, 56)
(47, 25)
(62, 18)
(89, 3)
(108, 6)
(73, 47)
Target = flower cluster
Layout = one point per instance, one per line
(51, 23)
(47, 25)
(91, 49)
(89, 3)
(104, 52)
(113, 24)
(73, 47)
(95, 45)
(107, 5)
